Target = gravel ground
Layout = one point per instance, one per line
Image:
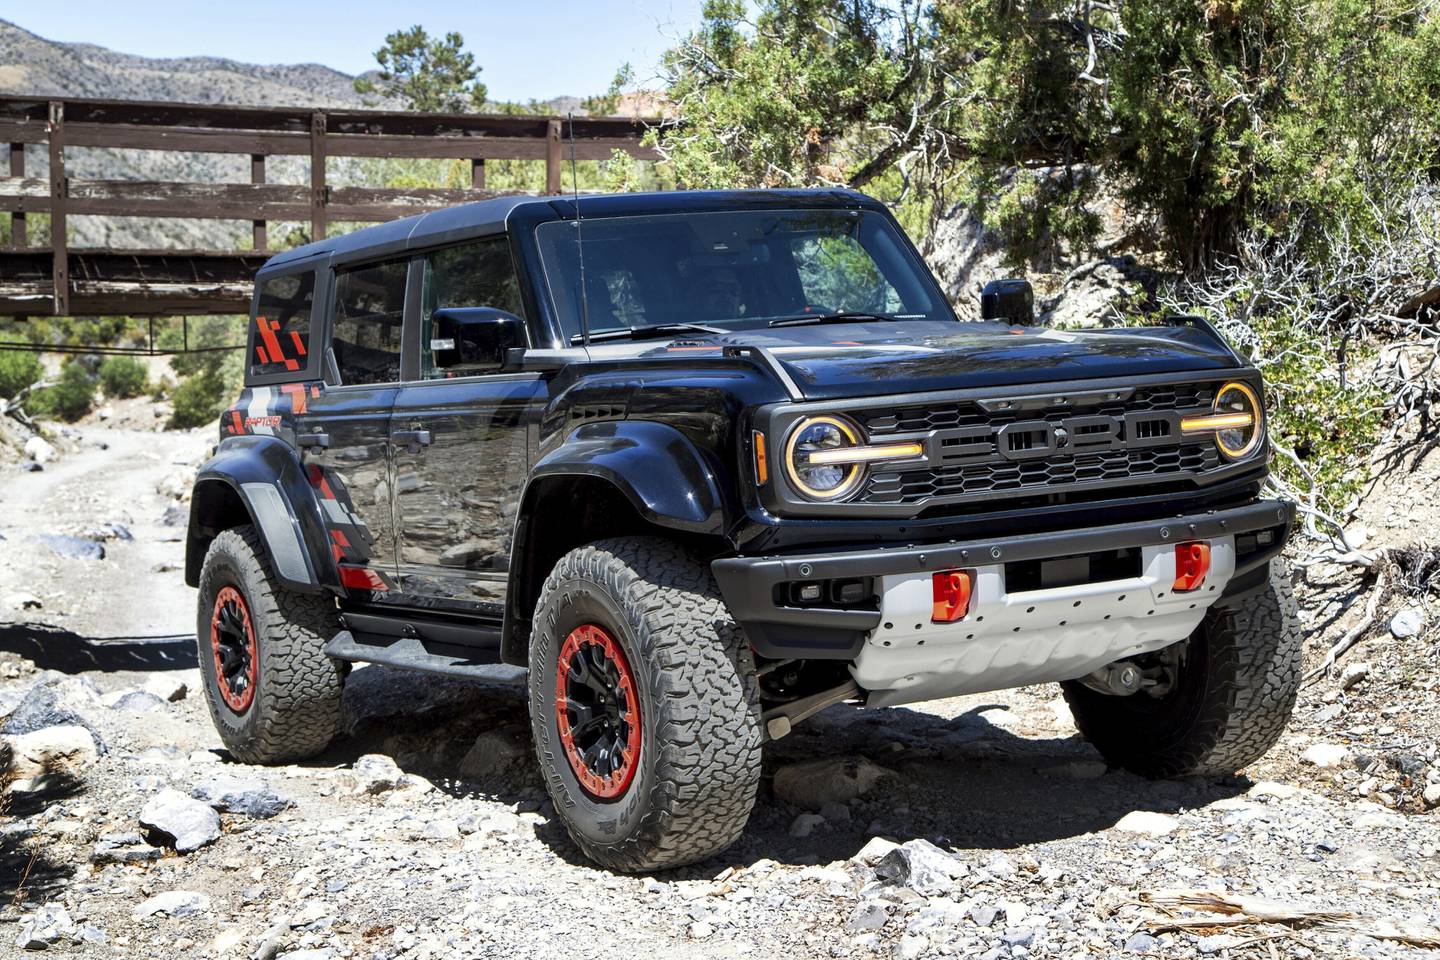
(424, 831)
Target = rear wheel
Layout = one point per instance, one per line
(1228, 702)
(273, 694)
(643, 705)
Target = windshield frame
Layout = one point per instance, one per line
(903, 252)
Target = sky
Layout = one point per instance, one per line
(530, 49)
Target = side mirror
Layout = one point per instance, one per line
(1012, 300)
(474, 338)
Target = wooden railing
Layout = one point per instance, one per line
(214, 281)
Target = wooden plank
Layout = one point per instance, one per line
(60, 277)
(257, 175)
(477, 173)
(317, 176)
(552, 157)
(17, 173)
(375, 203)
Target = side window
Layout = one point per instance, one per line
(369, 308)
(282, 325)
(477, 274)
(837, 273)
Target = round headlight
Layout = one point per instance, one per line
(1240, 428)
(821, 480)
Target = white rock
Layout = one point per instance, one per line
(174, 903)
(21, 601)
(38, 450)
(45, 927)
(50, 757)
(1148, 823)
(1326, 756)
(699, 930)
(375, 773)
(875, 848)
(921, 866)
(1269, 788)
(1354, 674)
(806, 824)
(179, 821)
(1432, 794)
(1408, 622)
(910, 947)
(167, 686)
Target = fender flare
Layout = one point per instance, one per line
(265, 474)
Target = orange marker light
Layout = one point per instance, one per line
(1192, 563)
(952, 591)
(762, 469)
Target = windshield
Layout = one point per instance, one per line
(734, 269)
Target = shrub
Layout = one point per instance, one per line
(199, 398)
(70, 399)
(123, 377)
(18, 369)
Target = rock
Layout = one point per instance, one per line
(806, 824)
(176, 485)
(813, 783)
(1019, 938)
(30, 466)
(178, 821)
(244, 796)
(921, 866)
(1353, 675)
(835, 813)
(469, 554)
(984, 914)
(75, 547)
(319, 953)
(870, 915)
(874, 851)
(1142, 943)
(175, 516)
(910, 947)
(1148, 823)
(110, 530)
(1431, 796)
(137, 702)
(495, 752)
(45, 927)
(375, 773)
(227, 941)
(174, 903)
(442, 829)
(167, 686)
(1407, 623)
(21, 601)
(700, 929)
(39, 451)
(55, 704)
(1098, 291)
(123, 848)
(1000, 867)
(50, 758)
(105, 412)
(1326, 756)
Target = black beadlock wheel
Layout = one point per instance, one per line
(1233, 694)
(644, 705)
(273, 694)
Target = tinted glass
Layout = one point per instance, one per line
(473, 275)
(282, 325)
(369, 307)
(734, 269)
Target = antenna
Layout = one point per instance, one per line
(579, 239)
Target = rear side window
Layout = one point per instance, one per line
(282, 325)
(369, 309)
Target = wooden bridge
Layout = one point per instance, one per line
(61, 280)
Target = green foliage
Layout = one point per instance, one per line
(123, 377)
(18, 370)
(69, 399)
(210, 380)
(429, 75)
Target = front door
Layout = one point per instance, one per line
(461, 446)
(344, 432)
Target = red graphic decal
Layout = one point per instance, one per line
(296, 393)
(299, 343)
(260, 354)
(262, 421)
(267, 333)
(358, 578)
(236, 423)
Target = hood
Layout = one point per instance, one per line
(835, 361)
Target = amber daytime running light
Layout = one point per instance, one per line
(825, 459)
(1236, 420)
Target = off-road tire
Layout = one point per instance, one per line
(700, 739)
(1231, 702)
(295, 710)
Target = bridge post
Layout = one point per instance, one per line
(257, 175)
(17, 219)
(552, 157)
(60, 270)
(317, 176)
(477, 173)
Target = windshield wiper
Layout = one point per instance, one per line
(643, 333)
(847, 316)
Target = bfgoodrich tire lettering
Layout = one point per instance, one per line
(1232, 700)
(295, 709)
(699, 704)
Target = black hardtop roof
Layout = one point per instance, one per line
(491, 216)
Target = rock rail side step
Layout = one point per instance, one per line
(430, 645)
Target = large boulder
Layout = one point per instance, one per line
(50, 758)
(812, 784)
(1099, 292)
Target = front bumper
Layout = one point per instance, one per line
(749, 584)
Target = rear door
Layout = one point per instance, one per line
(461, 444)
(344, 431)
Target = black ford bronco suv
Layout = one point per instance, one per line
(708, 463)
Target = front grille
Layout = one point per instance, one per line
(983, 450)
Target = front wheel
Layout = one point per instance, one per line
(1229, 701)
(644, 705)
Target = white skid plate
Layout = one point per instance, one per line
(1037, 636)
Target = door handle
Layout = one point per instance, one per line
(410, 438)
(321, 440)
